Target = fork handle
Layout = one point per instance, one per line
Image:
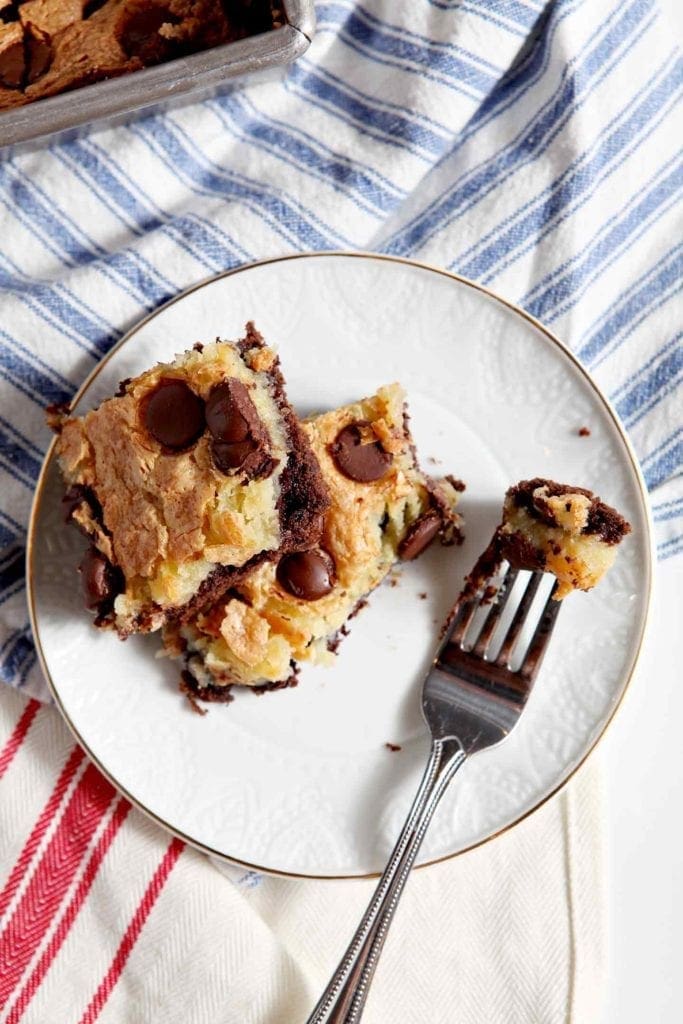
(343, 1000)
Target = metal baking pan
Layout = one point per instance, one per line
(182, 80)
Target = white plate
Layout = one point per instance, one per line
(300, 781)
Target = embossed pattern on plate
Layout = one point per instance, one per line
(300, 780)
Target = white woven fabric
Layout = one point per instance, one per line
(510, 933)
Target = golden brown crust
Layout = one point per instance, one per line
(244, 631)
(85, 51)
(50, 16)
(11, 98)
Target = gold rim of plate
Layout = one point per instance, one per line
(37, 501)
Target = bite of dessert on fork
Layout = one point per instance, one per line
(557, 528)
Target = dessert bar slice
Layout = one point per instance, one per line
(382, 508)
(187, 478)
(556, 528)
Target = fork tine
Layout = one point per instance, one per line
(518, 619)
(495, 612)
(539, 641)
(463, 617)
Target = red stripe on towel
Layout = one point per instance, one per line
(69, 916)
(51, 880)
(18, 735)
(47, 814)
(175, 848)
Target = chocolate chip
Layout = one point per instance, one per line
(229, 457)
(363, 462)
(308, 575)
(419, 536)
(13, 60)
(252, 462)
(240, 439)
(8, 12)
(100, 580)
(230, 412)
(90, 6)
(173, 414)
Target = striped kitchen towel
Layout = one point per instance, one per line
(532, 146)
(105, 918)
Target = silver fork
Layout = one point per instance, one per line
(469, 703)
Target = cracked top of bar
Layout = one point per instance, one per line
(190, 475)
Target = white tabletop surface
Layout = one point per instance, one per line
(642, 757)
